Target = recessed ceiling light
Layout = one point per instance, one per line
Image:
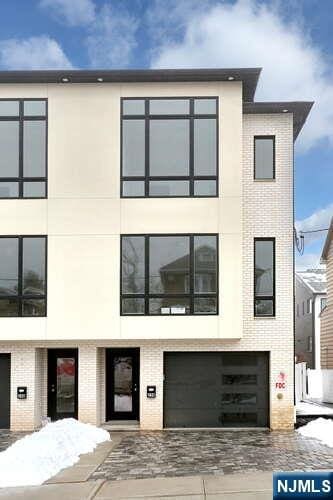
(230, 78)
(285, 111)
(100, 79)
(65, 79)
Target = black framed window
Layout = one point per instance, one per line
(169, 274)
(23, 275)
(169, 147)
(264, 157)
(264, 276)
(23, 148)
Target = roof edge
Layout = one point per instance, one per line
(249, 76)
(299, 109)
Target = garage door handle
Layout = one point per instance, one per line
(135, 388)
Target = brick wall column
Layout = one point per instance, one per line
(23, 412)
(151, 373)
(89, 404)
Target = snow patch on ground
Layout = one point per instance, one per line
(321, 429)
(39, 456)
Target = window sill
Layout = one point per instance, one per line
(264, 180)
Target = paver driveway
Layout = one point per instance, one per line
(8, 437)
(181, 453)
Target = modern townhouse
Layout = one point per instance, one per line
(310, 300)
(146, 249)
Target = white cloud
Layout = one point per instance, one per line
(71, 12)
(247, 34)
(40, 52)
(318, 220)
(111, 38)
(308, 261)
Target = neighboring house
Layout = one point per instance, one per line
(310, 299)
(146, 249)
(327, 312)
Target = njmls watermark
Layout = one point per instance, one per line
(303, 485)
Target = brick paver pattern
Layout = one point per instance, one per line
(176, 453)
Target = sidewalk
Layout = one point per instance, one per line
(252, 486)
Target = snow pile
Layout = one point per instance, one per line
(39, 456)
(321, 429)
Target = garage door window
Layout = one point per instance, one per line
(169, 274)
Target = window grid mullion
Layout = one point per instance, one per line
(191, 274)
(21, 150)
(191, 147)
(147, 239)
(20, 275)
(147, 156)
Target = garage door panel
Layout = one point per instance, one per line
(209, 389)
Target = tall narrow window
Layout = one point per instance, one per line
(169, 147)
(264, 277)
(23, 152)
(22, 276)
(264, 157)
(169, 274)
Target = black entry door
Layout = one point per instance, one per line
(216, 389)
(62, 383)
(122, 384)
(4, 391)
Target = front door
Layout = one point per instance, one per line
(62, 383)
(122, 384)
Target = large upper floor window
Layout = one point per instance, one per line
(23, 124)
(264, 277)
(23, 275)
(169, 274)
(169, 147)
(264, 157)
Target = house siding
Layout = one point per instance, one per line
(326, 323)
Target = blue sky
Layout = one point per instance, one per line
(290, 39)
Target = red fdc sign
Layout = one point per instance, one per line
(281, 381)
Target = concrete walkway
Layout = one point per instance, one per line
(255, 486)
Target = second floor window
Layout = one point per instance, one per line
(169, 147)
(22, 276)
(169, 274)
(23, 148)
(264, 277)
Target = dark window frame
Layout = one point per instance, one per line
(264, 297)
(20, 297)
(191, 178)
(21, 118)
(190, 295)
(266, 137)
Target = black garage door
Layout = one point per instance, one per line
(215, 389)
(4, 391)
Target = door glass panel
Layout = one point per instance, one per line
(239, 398)
(123, 382)
(65, 385)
